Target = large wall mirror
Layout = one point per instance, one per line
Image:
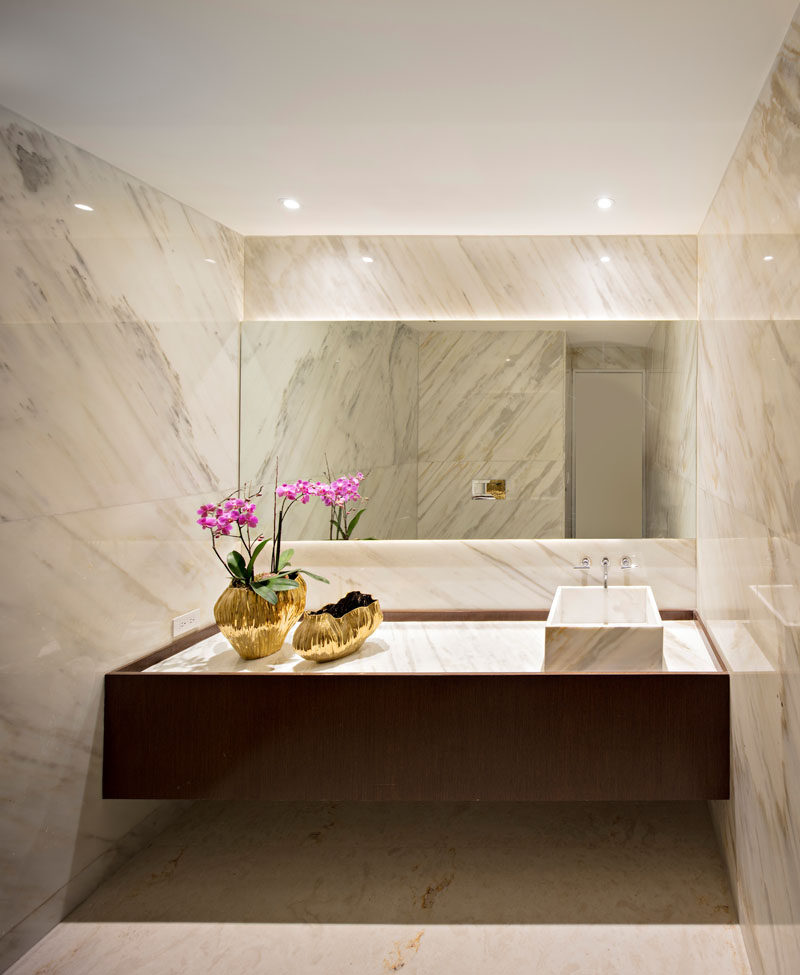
(479, 429)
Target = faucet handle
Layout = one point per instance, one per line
(626, 562)
(585, 563)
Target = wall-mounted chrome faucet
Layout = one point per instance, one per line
(625, 563)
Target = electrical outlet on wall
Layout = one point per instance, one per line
(189, 621)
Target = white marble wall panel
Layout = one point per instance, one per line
(110, 414)
(494, 573)
(671, 430)
(119, 351)
(139, 255)
(749, 409)
(424, 278)
(749, 505)
(755, 211)
(492, 404)
(347, 392)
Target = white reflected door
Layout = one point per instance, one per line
(607, 454)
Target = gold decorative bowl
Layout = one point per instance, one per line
(338, 628)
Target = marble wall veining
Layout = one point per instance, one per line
(492, 404)
(118, 384)
(495, 573)
(347, 392)
(671, 431)
(749, 503)
(470, 278)
(421, 411)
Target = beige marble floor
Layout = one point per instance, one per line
(313, 888)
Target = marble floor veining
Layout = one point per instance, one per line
(423, 888)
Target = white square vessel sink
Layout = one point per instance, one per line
(592, 628)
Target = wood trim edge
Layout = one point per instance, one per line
(716, 656)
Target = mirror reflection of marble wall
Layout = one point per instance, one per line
(425, 408)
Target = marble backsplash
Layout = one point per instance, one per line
(470, 278)
(749, 503)
(119, 352)
(494, 574)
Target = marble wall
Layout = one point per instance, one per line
(495, 573)
(671, 431)
(118, 384)
(492, 405)
(470, 278)
(749, 503)
(348, 392)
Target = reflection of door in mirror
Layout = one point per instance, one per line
(608, 454)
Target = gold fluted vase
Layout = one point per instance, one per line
(338, 628)
(254, 627)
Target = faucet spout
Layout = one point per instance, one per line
(605, 572)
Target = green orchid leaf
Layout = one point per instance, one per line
(281, 585)
(237, 565)
(313, 575)
(285, 559)
(263, 590)
(352, 526)
(256, 552)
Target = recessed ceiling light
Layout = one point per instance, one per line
(83, 206)
(605, 259)
(768, 257)
(367, 260)
(209, 260)
(290, 204)
(604, 203)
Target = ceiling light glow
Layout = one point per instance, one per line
(209, 260)
(368, 260)
(83, 206)
(604, 202)
(768, 257)
(605, 259)
(290, 204)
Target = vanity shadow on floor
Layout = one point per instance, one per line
(425, 863)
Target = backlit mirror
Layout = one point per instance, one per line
(479, 429)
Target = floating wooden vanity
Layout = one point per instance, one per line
(338, 735)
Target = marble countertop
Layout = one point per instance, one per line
(428, 648)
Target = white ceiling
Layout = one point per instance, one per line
(403, 116)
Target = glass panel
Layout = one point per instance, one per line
(469, 429)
